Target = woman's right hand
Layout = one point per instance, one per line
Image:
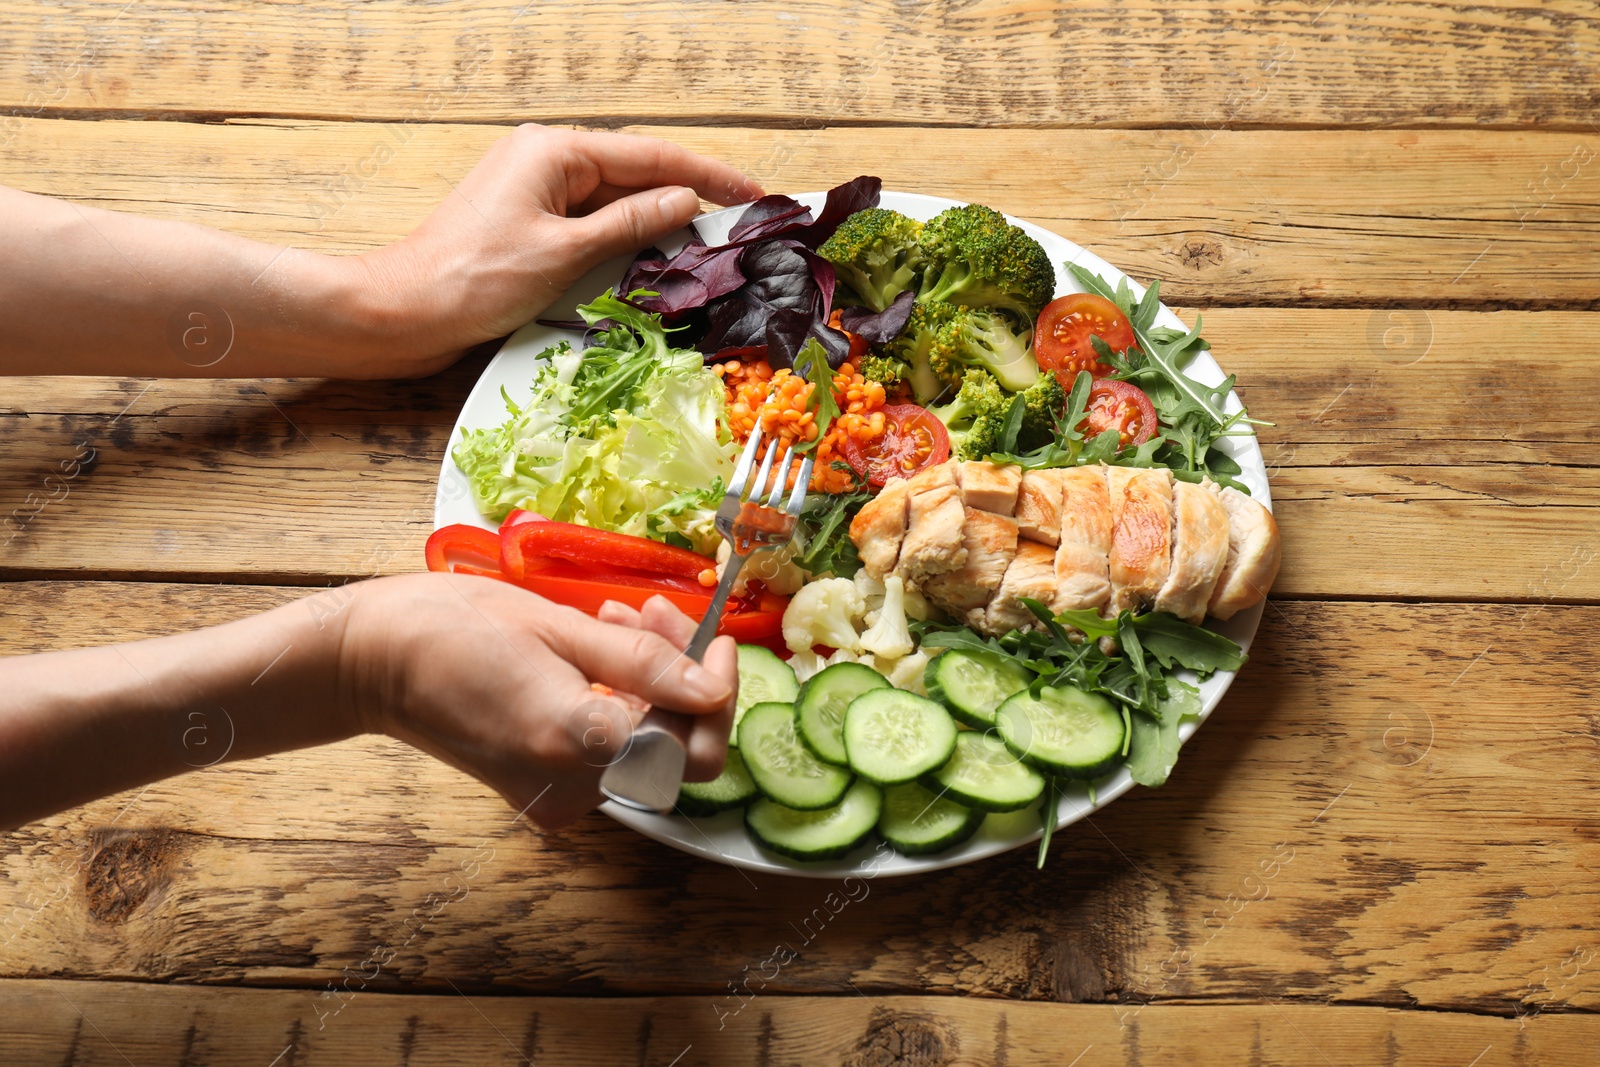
(496, 681)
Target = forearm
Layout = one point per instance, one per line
(86, 291)
(80, 724)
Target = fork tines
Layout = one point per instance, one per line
(800, 470)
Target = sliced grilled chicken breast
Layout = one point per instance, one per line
(934, 518)
(1038, 511)
(1082, 564)
(990, 543)
(989, 486)
(880, 526)
(1199, 551)
(1254, 554)
(1032, 574)
(1141, 535)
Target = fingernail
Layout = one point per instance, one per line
(679, 201)
(703, 684)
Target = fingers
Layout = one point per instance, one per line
(640, 661)
(629, 162)
(708, 740)
(632, 222)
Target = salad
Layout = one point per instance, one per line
(1021, 514)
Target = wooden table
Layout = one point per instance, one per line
(1381, 848)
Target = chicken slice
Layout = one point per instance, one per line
(1254, 554)
(1032, 574)
(1082, 565)
(989, 486)
(880, 526)
(1141, 535)
(990, 542)
(934, 518)
(1199, 550)
(1039, 506)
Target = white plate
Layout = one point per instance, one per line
(723, 837)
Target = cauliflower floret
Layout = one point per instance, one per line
(917, 606)
(776, 568)
(824, 613)
(907, 672)
(806, 663)
(889, 637)
(866, 659)
(871, 589)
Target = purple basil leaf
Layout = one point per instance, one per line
(823, 277)
(779, 275)
(836, 344)
(787, 330)
(734, 322)
(767, 215)
(878, 327)
(843, 201)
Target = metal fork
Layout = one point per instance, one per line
(647, 773)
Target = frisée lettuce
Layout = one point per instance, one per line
(628, 434)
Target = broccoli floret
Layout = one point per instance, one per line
(885, 369)
(915, 345)
(976, 417)
(1044, 400)
(975, 257)
(875, 252)
(981, 337)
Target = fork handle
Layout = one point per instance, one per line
(647, 774)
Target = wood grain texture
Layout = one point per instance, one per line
(1390, 808)
(1397, 468)
(995, 63)
(114, 1023)
(1380, 218)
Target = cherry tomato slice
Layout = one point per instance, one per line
(1119, 406)
(1061, 342)
(913, 438)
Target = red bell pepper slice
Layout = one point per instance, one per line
(521, 544)
(517, 516)
(460, 543)
(587, 593)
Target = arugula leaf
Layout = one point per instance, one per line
(812, 362)
(1089, 621)
(1049, 810)
(1171, 641)
(1153, 744)
(1012, 425)
(826, 546)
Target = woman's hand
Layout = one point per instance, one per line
(87, 291)
(496, 681)
(539, 210)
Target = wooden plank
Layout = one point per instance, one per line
(117, 1023)
(1390, 475)
(1435, 218)
(1391, 807)
(1000, 62)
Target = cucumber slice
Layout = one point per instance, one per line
(987, 775)
(893, 736)
(973, 684)
(733, 788)
(762, 677)
(816, 835)
(916, 821)
(1064, 731)
(819, 710)
(782, 767)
